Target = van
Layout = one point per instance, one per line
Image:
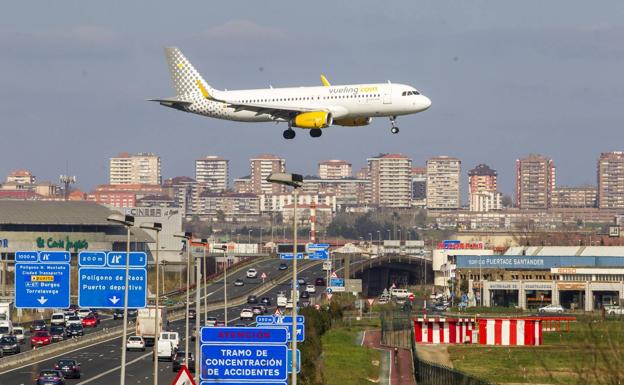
(57, 319)
(165, 350)
(6, 327)
(282, 300)
(170, 336)
(399, 293)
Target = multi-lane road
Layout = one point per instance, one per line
(101, 361)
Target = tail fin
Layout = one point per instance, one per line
(186, 80)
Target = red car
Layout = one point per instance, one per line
(89, 321)
(41, 338)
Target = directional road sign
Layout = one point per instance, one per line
(336, 282)
(241, 363)
(118, 259)
(42, 285)
(290, 256)
(102, 287)
(92, 258)
(286, 321)
(318, 254)
(290, 360)
(26, 256)
(318, 246)
(54, 256)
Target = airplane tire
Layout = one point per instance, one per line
(289, 134)
(394, 130)
(315, 133)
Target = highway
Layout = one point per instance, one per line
(101, 361)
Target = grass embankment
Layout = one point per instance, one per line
(591, 353)
(345, 362)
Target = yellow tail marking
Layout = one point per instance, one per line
(324, 80)
(202, 89)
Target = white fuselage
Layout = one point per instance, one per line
(347, 101)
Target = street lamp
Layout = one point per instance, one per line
(295, 181)
(157, 227)
(187, 237)
(128, 221)
(225, 263)
(204, 244)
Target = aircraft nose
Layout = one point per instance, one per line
(426, 102)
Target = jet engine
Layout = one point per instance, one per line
(312, 120)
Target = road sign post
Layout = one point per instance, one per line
(42, 279)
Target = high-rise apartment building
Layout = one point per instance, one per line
(213, 171)
(535, 181)
(482, 189)
(419, 186)
(261, 167)
(443, 188)
(334, 169)
(142, 168)
(574, 197)
(390, 180)
(611, 180)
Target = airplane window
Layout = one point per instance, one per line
(416, 92)
(404, 93)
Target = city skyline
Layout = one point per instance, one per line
(504, 80)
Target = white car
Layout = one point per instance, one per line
(282, 300)
(289, 304)
(73, 320)
(612, 310)
(551, 309)
(211, 321)
(83, 313)
(68, 313)
(246, 314)
(311, 289)
(18, 331)
(135, 343)
(252, 273)
(57, 319)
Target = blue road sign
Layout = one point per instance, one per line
(329, 290)
(118, 259)
(240, 363)
(300, 332)
(318, 246)
(102, 287)
(290, 360)
(26, 256)
(319, 254)
(42, 285)
(336, 282)
(92, 258)
(290, 256)
(54, 256)
(244, 336)
(245, 383)
(278, 320)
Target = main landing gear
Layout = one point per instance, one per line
(289, 133)
(394, 129)
(316, 132)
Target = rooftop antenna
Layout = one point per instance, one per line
(66, 180)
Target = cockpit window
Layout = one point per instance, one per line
(407, 93)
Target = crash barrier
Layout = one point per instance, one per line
(510, 332)
(428, 373)
(555, 324)
(438, 330)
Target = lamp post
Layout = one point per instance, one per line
(225, 263)
(127, 221)
(187, 237)
(197, 302)
(157, 227)
(295, 181)
(205, 275)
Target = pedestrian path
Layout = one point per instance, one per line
(393, 372)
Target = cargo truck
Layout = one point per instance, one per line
(145, 323)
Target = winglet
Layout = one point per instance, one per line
(203, 89)
(324, 80)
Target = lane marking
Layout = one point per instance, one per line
(115, 369)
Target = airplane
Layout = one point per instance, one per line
(311, 108)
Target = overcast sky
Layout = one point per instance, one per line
(506, 78)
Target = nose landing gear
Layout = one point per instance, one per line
(289, 133)
(394, 129)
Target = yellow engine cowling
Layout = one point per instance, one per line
(353, 122)
(315, 119)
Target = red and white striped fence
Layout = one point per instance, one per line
(442, 330)
(514, 331)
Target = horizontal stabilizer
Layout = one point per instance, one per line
(172, 102)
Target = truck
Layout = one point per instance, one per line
(5, 311)
(145, 323)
